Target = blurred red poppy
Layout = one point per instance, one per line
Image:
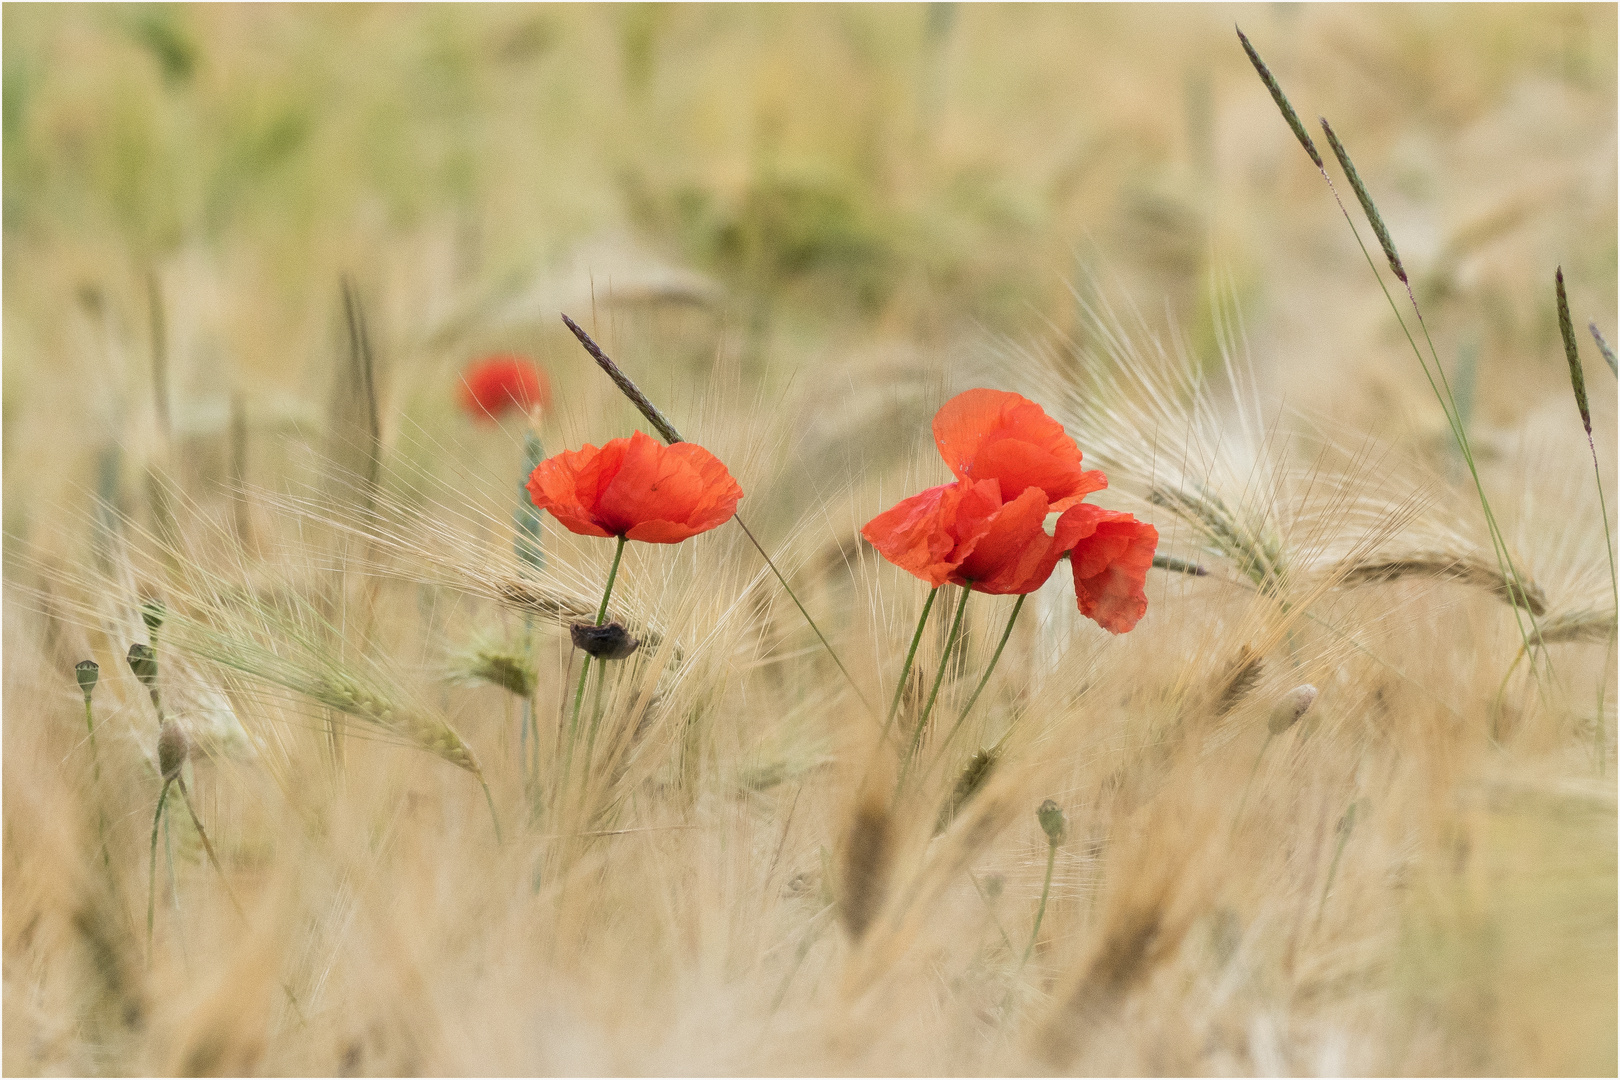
(498, 383)
(636, 488)
(965, 534)
(993, 434)
(1110, 552)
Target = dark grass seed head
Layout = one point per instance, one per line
(1577, 379)
(1281, 99)
(1367, 205)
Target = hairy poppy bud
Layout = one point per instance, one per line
(1053, 823)
(1294, 705)
(143, 662)
(152, 612)
(610, 642)
(173, 749)
(87, 672)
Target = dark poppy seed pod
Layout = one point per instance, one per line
(143, 662)
(152, 612)
(87, 672)
(610, 642)
(173, 749)
(1053, 823)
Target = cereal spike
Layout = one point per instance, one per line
(1281, 99)
(1577, 378)
(1367, 205)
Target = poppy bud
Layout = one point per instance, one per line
(1053, 823)
(143, 662)
(610, 642)
(152, 612)
(87, 672)
(173, 749)
(1293, 706)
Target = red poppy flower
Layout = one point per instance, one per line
(636, 488)
(964, 533)
(993, 434)
(504, 381)
(1110, 552)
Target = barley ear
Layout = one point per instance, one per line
(1281, 99)
(1577, 379)
(1367, 206)
(864, 869)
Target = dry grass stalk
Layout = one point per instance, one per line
(1467, 569)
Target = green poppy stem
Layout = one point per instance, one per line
(585, 669)
(151, 870)
(1002, 644)
(1040, 912)
(911, 654)
(939, 676)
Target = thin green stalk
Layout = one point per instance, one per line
(1346, 823)
(911, 654)
(1504, 560)
(1002, 644)
(151, 870)
(939, 677)
(585, 668)
(1040, 912)
(1244, 800)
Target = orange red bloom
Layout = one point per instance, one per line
(498, 383)
(985, 434)
(965, 534)
(636, 488)
(1014, 465)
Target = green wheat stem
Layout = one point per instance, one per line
(911, 655)
(988, 671)
(1040, 912)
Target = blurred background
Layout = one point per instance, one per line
(844, 198)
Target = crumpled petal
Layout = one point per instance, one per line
(1110, 552)
(930, 534)
(993, 434)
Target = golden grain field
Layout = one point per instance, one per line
(391, 829)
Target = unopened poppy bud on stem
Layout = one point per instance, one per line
(152, 613)
(1295, 704)
(1053, 822)
(87, 672)
(173, 749)
(143, 662)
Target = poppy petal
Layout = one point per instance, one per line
(636, 488)
(993, 433)
(1110, 553)
(930, 534)
(1015, 554)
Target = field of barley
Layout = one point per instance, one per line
(336, 742)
